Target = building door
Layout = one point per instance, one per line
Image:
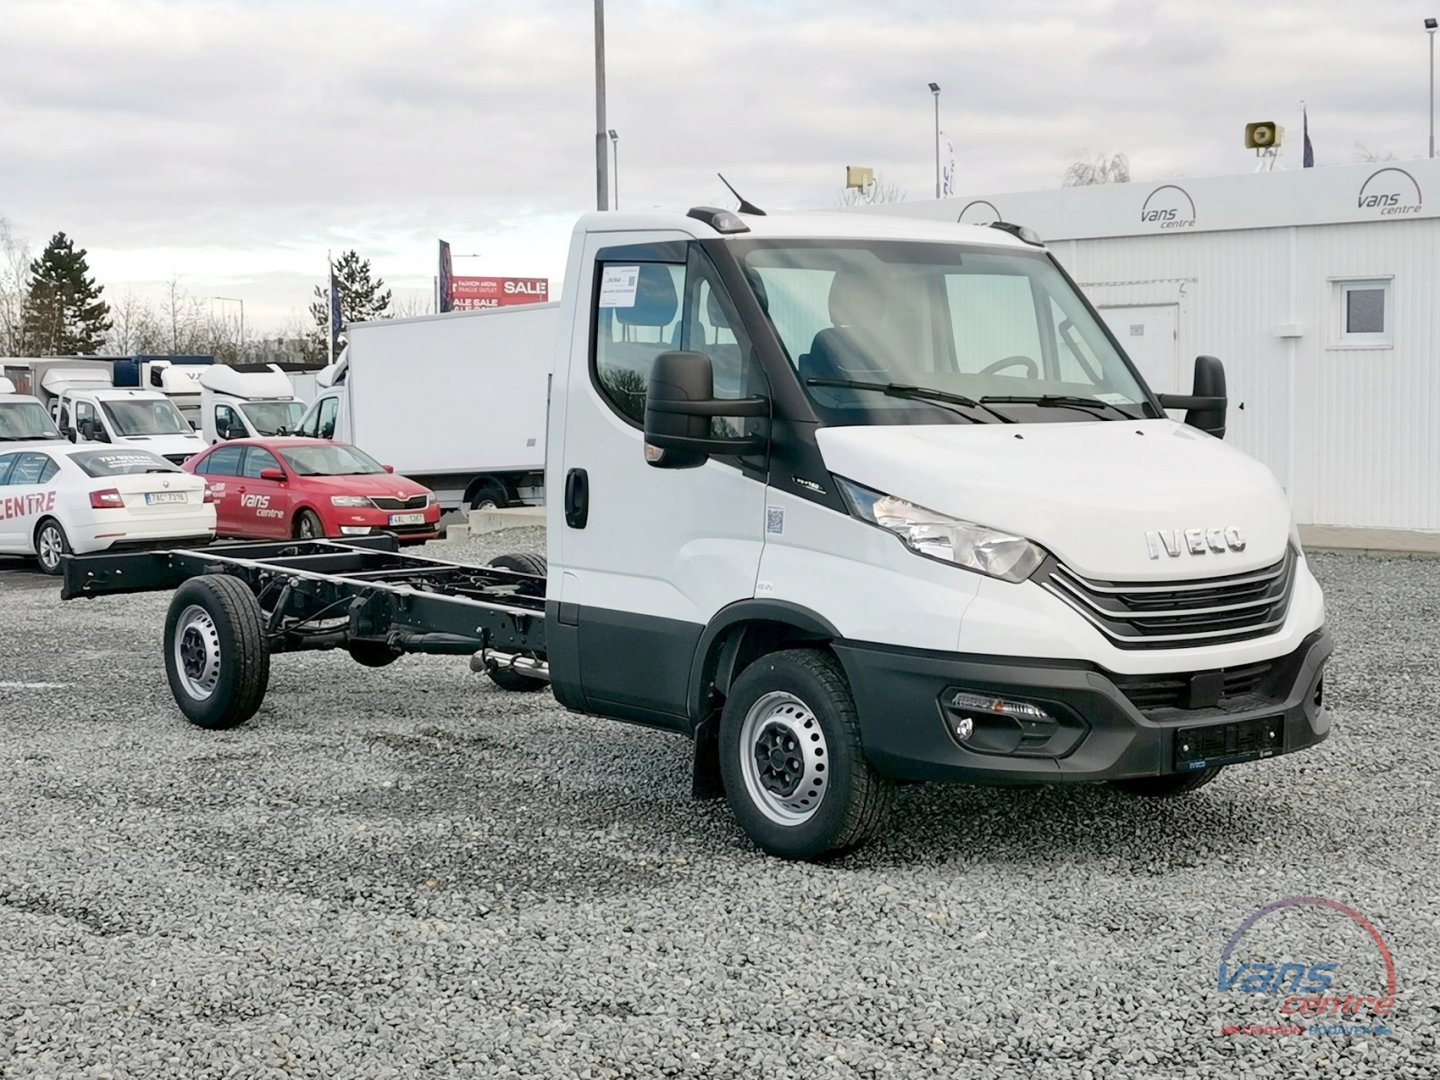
(1148, 335)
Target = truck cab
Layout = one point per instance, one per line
(247, 401)
(23, 418)
(87, 407)
(892, 492)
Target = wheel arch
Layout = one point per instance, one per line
(740, 633)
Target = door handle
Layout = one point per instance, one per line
(577, 498)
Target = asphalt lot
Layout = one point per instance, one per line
(406, 872)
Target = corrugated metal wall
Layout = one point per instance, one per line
(1352, 433)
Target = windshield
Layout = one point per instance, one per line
(899, 316)
(329, 460)
(120, 462)
(140, 416)
(22, 420)
(273, 417)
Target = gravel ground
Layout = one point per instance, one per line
(406, 872)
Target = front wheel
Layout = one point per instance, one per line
(50, 543)
(216, 655)
(795, 773)
(308, 526)
(1167, 787)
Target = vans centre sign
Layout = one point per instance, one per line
(1370, 192)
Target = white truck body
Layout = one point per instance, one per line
(246, 401)
(455, 401)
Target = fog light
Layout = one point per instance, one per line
(354, 530)
(986, 724)
(964, 728)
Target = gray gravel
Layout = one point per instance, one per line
(406, 872)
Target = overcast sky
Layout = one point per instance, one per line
(232, 142)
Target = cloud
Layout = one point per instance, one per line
(230, 138)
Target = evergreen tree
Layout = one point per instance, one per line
(63, 313)
(363, 297)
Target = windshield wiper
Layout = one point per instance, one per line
(914, 393)
(1059, 401)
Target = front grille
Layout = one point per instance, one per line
(1150, 692)
(415, 502)
(1178, 614)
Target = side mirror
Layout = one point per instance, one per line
(222, 428)
(277, 475)
(1205, 407)
(87, 429)
(389, 468)
(680, 402)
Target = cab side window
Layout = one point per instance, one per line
(227, 421)
(225, 461)
(325, 427)
(645, 309)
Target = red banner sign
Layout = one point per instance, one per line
(470, 293)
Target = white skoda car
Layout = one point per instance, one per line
(59, 497)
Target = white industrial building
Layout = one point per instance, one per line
(1318, 288)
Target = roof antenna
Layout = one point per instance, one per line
(746, 207)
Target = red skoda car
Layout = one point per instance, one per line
(279, 488)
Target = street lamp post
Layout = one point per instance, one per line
(935, 90)
(1430, 25)
(615, 172)
(236, 300)
(602, 181)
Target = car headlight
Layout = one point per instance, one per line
(351, 501)
(975, 547)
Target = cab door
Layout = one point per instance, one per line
(646, 556)
(264, 504)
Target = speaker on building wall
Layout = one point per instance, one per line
(1263, 135)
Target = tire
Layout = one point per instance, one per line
(216, 656)
(1171, 786)
(798, 704)
(490, 495)
(50, 543)
(372, 653)
(308, 526)
(526, 562)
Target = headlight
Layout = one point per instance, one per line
(987, 551)
(352, 501)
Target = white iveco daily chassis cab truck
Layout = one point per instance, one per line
(247, 401)
(849, 501)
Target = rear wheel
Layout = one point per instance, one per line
(50, 543)
(490, 495)
(526, 562)
(308, 526)
(795, 773)
(216, 656)
(1167, 787)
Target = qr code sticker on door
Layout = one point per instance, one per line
(775, 520)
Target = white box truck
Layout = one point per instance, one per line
(850, 501)
(455, 401)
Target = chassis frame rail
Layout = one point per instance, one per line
(320, 594)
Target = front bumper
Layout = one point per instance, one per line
(1105, 726)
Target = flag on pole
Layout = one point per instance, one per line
(335, 323)
(1308, 161)
(445, 301)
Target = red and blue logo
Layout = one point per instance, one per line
(1317, 995)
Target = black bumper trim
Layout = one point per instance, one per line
(905, 733)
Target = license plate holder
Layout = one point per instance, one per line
(407, 519)
(1225, 744)
(164, 498)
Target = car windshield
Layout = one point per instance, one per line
(25, 420)
(141, 416)
(120, 462)
(329, 460)
(273, 417)
(891, 318)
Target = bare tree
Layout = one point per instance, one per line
(1364, 153)
(879, 190)
(1098, 169)
(14, 283)
(411, 302)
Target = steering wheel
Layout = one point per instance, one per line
(1032, 369)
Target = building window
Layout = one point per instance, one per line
(1363, 317)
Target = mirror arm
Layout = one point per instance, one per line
(1190, 401)
(742, 407)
